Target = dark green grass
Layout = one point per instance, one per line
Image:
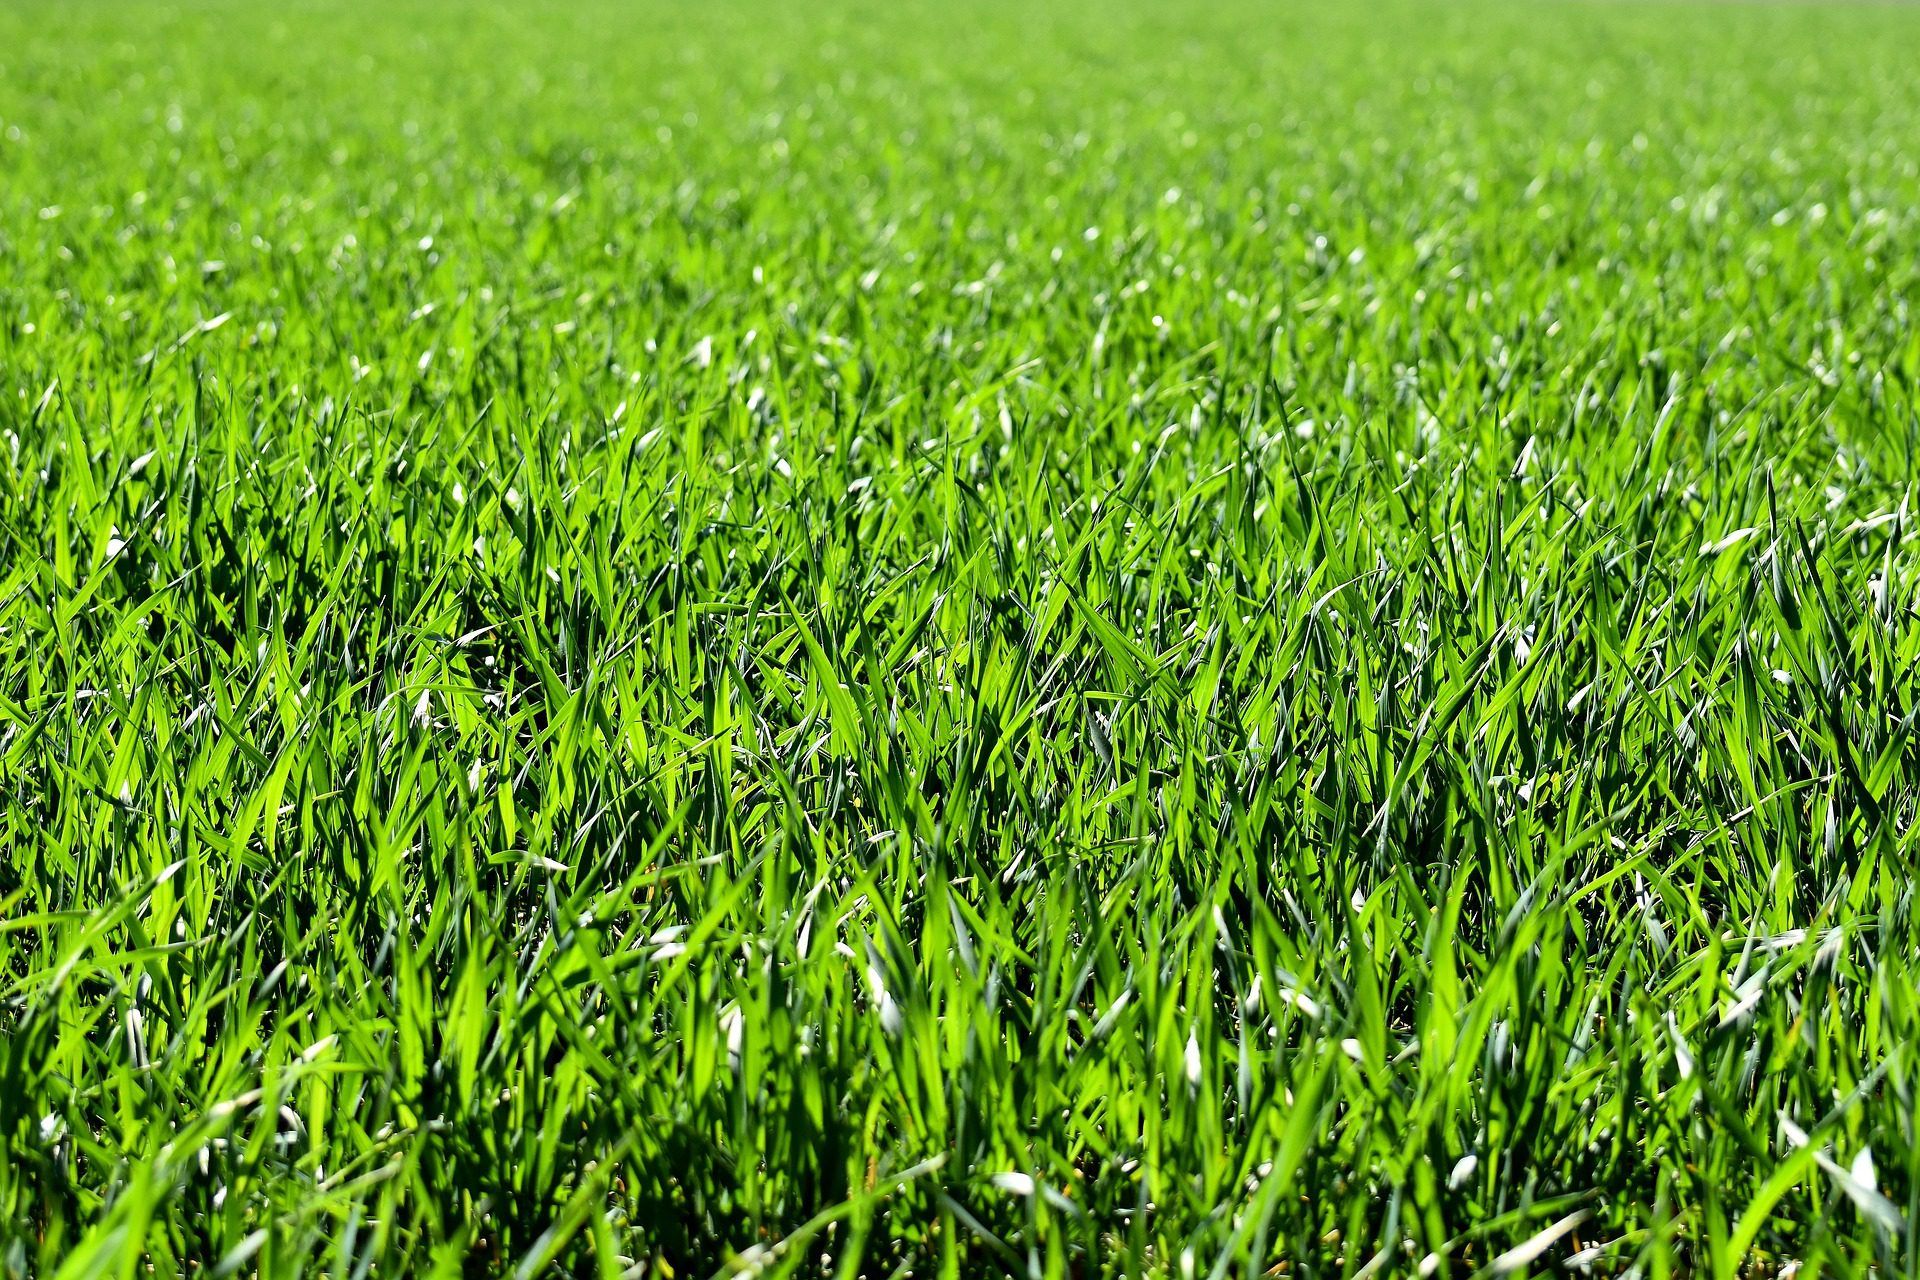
(1108, 639)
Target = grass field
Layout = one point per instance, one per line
(872, 640)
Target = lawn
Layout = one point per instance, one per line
(1078, 638)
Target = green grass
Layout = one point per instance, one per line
(1061, 640)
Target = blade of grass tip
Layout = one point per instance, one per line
(238, 1256)
(1865, 1196)
(1529, 1251)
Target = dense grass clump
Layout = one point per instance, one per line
(865, 640)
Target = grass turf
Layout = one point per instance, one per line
(1055, 640)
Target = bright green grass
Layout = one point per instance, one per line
(1108, 638)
